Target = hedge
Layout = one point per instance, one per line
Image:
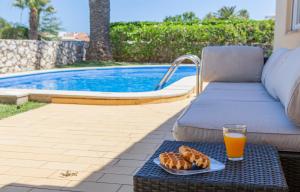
(163, 42)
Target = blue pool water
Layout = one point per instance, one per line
(131, 79)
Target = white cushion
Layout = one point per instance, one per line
(283, 83)
(235, 92)
(232, 64)
(272, 62)
(265, 118)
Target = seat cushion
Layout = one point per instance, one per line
(284, 82)
(232, 64)
(235, 92)
(265, 118)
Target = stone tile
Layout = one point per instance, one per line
(93, 187)
(65, 166)
(126, 188)
(36, 143)
(128, 156)
(119, 170)
(73, 146)
(116, 178)
(32, 149)
(8, 179)
(149, 140)
(30, 172)
(4, 169)
(77, 175)
(55, 158)
(130, 163)
(46, 183)
(100, 162)
(140, 150)
(105, 144)
(116, 149)
(15, 189)
(21, 163)
(85, 153)
(47, 190)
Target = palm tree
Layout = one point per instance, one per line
(209, 16)
(36, 7)
(99, 47)
(226, 12)
(243, 13)
(186, 17)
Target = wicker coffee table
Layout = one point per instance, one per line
(260, 171)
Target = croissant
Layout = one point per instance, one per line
(194, 156)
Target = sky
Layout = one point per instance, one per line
(74, 14)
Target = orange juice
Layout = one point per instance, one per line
(235, 144)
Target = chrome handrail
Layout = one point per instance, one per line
(174, 66)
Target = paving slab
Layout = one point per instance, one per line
(61, 147)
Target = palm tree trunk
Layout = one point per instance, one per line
(33, 24)
(99, 47)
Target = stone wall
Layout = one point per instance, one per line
(27, 55)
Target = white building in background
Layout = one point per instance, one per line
(74, 36)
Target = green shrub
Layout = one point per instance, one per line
(17, 32)
(163, 42)
(3, 25)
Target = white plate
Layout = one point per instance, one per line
(214, 166)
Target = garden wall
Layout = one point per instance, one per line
(27, 55)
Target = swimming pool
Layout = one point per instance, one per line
(113, 79)
(129, 85)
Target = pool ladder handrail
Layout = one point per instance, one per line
(174, 66)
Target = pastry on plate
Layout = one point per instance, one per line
(173, 160)
(194, 156)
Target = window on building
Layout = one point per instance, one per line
(296, 15)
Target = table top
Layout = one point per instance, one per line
(260, 169)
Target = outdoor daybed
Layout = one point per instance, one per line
(243, 90)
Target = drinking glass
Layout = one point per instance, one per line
(235, 140)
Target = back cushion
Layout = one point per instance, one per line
(232, 64)
(268, 78)
(285, 79)
(272, 62)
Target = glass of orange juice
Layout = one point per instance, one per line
(235, 140)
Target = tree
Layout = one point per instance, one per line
(3, 23)
(226, 12)
(12, 31)
(244, 14)
(209, 16)
(187, 17)
(36, 7)
(49, 27)
(99, 46)
(15, 32)
(3, 26)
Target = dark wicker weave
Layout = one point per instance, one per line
(291, 166)
(260, 171)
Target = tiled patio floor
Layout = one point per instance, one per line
(81, 148)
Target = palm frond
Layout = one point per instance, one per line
(20, 4)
